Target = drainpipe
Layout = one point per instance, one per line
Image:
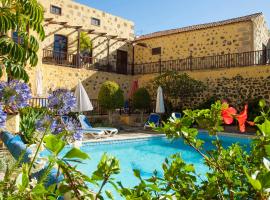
(133, 59)
(108, 55)
(78, 49)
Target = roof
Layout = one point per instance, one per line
(199, 26)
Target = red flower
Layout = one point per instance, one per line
(228, 115)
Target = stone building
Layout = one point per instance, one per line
(116, 53)
(242, 34)
(110, 36)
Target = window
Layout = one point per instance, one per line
(60, 46)
(156, 51)
(95, 21)
(56, 10)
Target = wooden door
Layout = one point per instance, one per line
(121, 62)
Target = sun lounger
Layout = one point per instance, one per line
(86, 125)
(152, 119)
(176, 115)
(94, 132)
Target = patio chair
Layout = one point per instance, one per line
(93, 132)
(153, 118)
(86, 125)
(19, 150)
(176, 115)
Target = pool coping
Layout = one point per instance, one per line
(145, 136)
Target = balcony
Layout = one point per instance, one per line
(76, 61)
(245, 59)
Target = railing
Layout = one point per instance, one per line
(43, 102)
(38, 102)
(77, 61)
(252, 58)
(66, 59)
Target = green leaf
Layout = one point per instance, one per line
(267, 149)
(262, 103)
(255, 183)
(265, 127)
(54, 144)
(109, 194)
(76, 153)
(137, 173)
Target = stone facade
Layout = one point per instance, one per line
(238, 85)
(261, 33)
(66, 77)
(248, 33)
(75, 14)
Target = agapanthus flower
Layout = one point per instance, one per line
(61, 101)
(78, 135)
(45, 122)
(14, 95)
(56, 126)
(3, 117)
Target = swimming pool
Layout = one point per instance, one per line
(147, 155)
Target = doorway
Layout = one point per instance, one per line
(60, 47)
(121, 62)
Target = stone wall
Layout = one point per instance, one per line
(76, 14)
(231, 38)
(66, 77)
(238, 85)
(261, 33)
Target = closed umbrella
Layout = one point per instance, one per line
(133, 88)
(160, 101)
(39, 85)
(83, 102)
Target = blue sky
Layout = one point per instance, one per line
(154, 15)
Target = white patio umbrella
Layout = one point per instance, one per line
(160, 101)
(83, 101)
(39, 85)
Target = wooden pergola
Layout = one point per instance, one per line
(79, 29)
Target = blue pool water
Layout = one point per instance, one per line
(147, 155)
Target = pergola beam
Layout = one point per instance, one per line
(53, 32)
(89, 31)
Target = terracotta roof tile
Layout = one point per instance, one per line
(199, 26)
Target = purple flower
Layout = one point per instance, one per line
(78, 136)
(57, 126)
(3, 117)
(61, 101)
(46, 121)
(14, 94)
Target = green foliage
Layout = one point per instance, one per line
(177, 85)
(141, 99)
(235, 172)
(110, 96)
(86, 43)
(28, 118)
(207, 103)
(25, 17)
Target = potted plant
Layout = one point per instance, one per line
(110, 97)
(14, 95)
(141, 100)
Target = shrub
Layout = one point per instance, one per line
(29, 116)
(176, 85)
(110, 97)
(141, 100)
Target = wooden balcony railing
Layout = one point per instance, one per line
(66, 59)
(77, 61)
